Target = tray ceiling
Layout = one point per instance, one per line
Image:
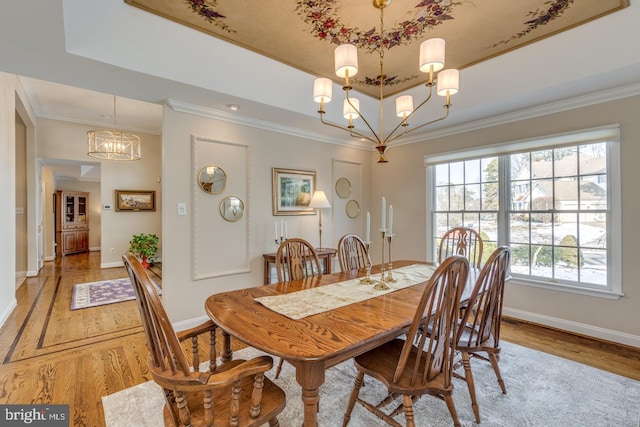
(304, 33)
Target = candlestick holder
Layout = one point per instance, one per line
(390, 277)
(382, 285)
(279, 240)
(367, 280)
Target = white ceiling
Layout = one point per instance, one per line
(75, 55)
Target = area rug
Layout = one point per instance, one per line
(93, 294)
(542, 391)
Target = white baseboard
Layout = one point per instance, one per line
(5, 314)
(32, 273)
(49, 258)
(21, 275)
(190, 323)
(575, 327)
(95, 248)
(111, 264)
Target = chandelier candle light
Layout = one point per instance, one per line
(113, 144)
(346, 66)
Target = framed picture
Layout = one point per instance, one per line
(135, 200)
(292, 191)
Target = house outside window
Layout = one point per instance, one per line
(553, 200)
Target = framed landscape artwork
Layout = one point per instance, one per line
(135, 200)
(292, 191)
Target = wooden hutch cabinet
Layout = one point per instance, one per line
(72, 222)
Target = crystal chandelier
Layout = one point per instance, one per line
(113, 144)
(346, 66)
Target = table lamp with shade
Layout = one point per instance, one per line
(319, 201)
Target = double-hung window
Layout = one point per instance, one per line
(554, 200)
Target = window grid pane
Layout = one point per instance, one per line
(566, 201)
(556, 207)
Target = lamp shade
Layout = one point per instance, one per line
(346, 59)
(432, 53)
(448, 81)
(319, 200)
(322, 89)
(350, 110)
(404, 105)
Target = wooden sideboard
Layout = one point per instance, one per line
(72, 222)
(325, 255)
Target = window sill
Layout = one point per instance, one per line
(598, 293)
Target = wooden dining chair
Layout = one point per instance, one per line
(421, 363)
(479, 333)
(463, 241)
(235, 392)
(296, 259)
(353, 253)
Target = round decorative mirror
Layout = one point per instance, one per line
(352, 208)
(343, 188)
(212, 179)
(231, 208)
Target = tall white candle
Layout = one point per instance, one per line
(276, 224)
(368, 230)
(286, 229)
(281, 228)
(390, 220)
(384, 214)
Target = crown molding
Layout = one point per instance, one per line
(529, 113)
(213, 113)
(515, 116)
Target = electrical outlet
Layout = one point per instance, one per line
(112, 250)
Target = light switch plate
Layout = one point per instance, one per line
(182, 209)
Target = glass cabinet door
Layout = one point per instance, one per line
(69, 209)
(82, 210)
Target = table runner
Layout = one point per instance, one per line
(301, 304)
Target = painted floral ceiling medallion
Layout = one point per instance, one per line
(304, 33)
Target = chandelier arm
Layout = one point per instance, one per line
(389, 140)
(378, 139)
(351, 131)
(390, 137)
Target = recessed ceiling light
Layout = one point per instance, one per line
(233, 107)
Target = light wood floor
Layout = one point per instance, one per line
(50, 354)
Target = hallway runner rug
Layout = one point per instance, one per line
(105, 292)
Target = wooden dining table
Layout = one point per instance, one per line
(315, 343)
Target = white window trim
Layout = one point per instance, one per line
(614, 225)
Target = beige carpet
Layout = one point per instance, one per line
(542, 391)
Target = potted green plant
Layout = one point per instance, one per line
(145, 247)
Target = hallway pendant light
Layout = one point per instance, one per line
(113, 144)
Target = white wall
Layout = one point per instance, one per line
(8, 191)
(184, 297)
(616, 320)
(21, 198)
(63, 140)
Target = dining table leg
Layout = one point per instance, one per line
(310, 376)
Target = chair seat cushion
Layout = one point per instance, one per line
(273, 402)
